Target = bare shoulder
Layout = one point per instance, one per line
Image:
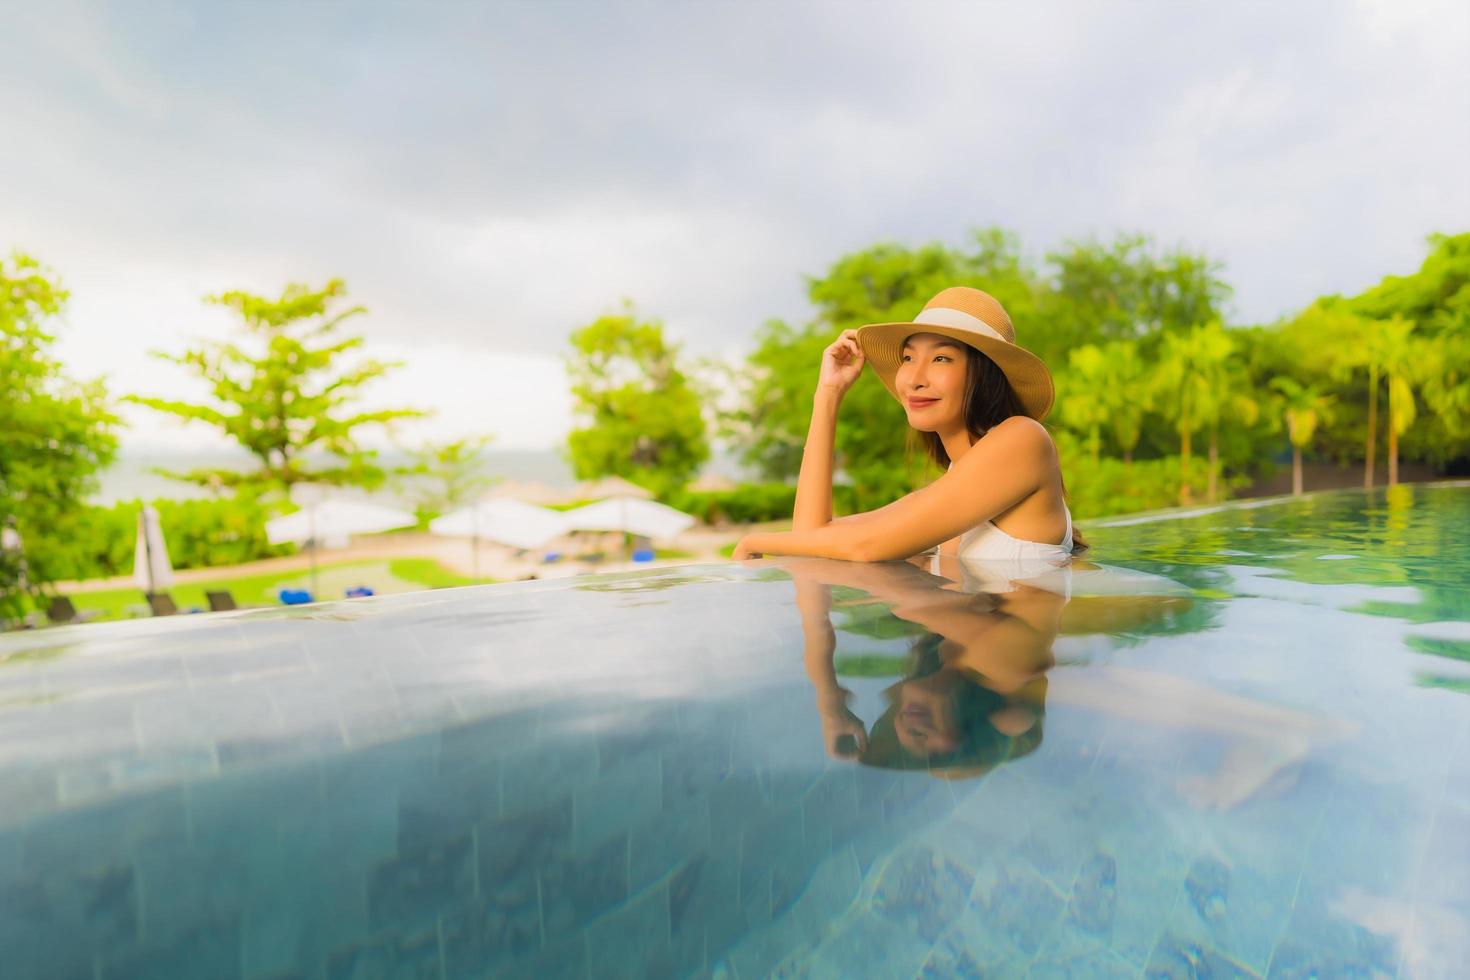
(1023, 437)
(1022, 444)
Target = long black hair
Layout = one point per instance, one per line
(981, 746)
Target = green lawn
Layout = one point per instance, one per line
(396, 575)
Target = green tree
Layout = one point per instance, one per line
(644, 419)
(447, 475)
(1128, 288)
(1182, 385)
(1303, 407)
(55, 434)
(1084, 408)
(287, 391)
(1106, 388)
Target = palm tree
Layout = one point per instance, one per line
(1403, 361)
(1304, 406)
(1126, 395)
(1084, 408)
(1182, 392)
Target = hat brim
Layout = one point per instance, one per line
(882, 345)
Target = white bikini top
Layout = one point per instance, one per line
(988, 542)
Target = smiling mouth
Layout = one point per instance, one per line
(921, 402)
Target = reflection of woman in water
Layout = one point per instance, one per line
(975, 400)
(974, 689)
(976, 686)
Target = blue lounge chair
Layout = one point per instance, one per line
(294, 597)
(358, 591)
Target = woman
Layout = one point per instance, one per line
(977, 401)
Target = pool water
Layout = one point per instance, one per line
(1228, 743)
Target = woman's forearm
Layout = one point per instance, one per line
(813, 507)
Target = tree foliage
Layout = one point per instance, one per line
(641, 414)
(1144, 365)
(447, 475)
(55, 432)
(286, 391)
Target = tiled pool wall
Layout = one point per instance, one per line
(484, 849)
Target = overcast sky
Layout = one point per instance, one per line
(487, 177)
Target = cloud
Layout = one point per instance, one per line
(489, 179)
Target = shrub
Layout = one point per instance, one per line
(199, 534)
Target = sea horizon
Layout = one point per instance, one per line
(133, 476)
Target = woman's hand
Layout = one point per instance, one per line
(743, 550)
(844, 735)
(842, 363)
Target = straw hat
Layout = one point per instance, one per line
(975, 318)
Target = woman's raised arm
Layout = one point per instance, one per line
(842, 363)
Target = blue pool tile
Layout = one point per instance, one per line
(633, 940)
(1070, 952)
(1321, 940)
(694, 766)
(232, 808)
(95, 907)
(71, 839)
(414, 954)
(737, 801)
(629, 795)
(1093, 901)
(560, 961)
(577, 886)
(1237, 904)
(491, 928)
(469, 746)
(184, 885)
(670, 838)
(829, 807)
(922, 890)
(442, 808)
(28, 794)
(1177, 958)
(867, 944)
(208, 949)
(418, 884)
(1016, 903)
(558, 767)
(704, 905)
(1294, 959)
(513, 847)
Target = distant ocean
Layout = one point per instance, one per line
(133, 475)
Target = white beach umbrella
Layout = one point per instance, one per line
(332, 522)
(512, 522)
(612, 486)
(151, 568)
(631, 515)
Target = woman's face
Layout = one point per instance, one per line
(925, 724)
(931, 379)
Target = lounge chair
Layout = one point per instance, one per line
(220, 601)
(643, 554)
(294, 597)
(161, 603)
(359, 591)
(60, 610)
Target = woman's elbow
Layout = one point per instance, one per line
(869, 548)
